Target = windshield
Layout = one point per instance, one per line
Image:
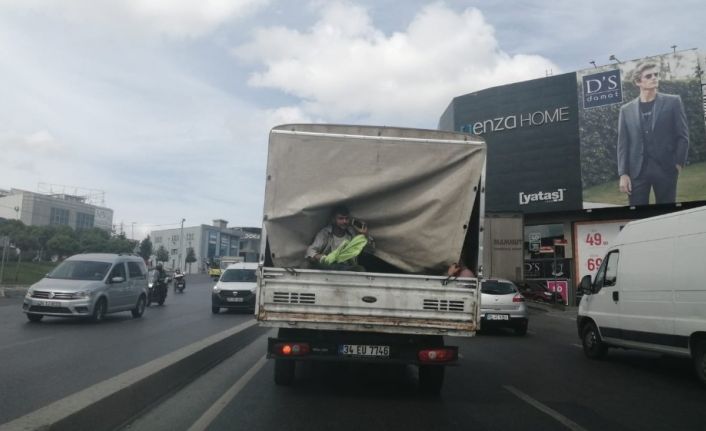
(498, 288)
(80, 270)
(239, 275)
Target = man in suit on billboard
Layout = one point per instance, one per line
(653, 139)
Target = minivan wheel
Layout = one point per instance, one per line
(215, 309)
(34, 317)
(593, 346)
(99, 310)
(139, 308)
(521, 328)
(699, 360)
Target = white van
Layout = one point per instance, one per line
(650, 291)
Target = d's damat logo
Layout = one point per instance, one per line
(602, 89)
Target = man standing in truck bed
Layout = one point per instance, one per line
(337, 245)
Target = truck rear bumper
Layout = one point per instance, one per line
(371, 348)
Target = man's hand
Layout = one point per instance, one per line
(454, 270)
(361, 230)
(625, 184)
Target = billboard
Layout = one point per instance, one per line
(561, 143)
(642, 131)
(531, 129)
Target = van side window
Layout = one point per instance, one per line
(118, 271)
(608, 272)
(135, 270)
(611, 270)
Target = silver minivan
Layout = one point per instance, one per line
(90, 285)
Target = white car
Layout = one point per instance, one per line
(90, 285)
(235, 288)
(502, 304)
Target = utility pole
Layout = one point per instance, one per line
(133, 230)
(4, 253)
(181, 241)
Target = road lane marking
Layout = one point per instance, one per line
(545, 409)
(101, 394)
(21, 343)
(577, 345)
(212, 413)
(531, 332)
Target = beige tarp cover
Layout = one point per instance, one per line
(415, 189)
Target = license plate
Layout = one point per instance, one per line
(364, 350)
(49, 303)
(234, 299)
(497, 317)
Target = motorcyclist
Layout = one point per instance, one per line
(179, 278)
(161, 274)
(158, 288)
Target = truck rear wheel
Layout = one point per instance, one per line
(431, 378)
(284, 372)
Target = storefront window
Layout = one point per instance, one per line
(539, 241)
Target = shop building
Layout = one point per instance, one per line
(553, 156)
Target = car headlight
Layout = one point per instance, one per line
(81, 295)
(29, 293)
(216, 289)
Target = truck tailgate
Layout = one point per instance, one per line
(372, 302)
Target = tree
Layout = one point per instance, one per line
(62, 245)
(162, 254)
(190, 257)
(94, 240)
(146, 248)
(120, 244)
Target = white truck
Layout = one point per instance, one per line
(421, 193)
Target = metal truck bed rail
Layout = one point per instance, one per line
(355, 301)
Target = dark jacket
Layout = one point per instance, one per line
(670, 132)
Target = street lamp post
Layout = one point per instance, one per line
(181, 241)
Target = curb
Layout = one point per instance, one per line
(111, 403)
(546, 307)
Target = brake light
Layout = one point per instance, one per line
(437, 355)
(518, 298)
(291, 349)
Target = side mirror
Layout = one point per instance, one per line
(117, 280)
(586, 286)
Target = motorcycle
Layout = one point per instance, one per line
(179, 283)
(157, 289)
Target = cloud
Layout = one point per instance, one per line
(37, 143)
(172, 18)
(344, 68)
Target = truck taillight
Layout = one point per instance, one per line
(291, 349)
(437, 355)
(518, 298)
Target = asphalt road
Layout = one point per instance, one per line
(43, 362)
(538, 382)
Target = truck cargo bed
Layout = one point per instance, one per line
(370, 302)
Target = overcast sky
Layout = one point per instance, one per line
(165, 105)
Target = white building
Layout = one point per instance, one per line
(208, 242)
(38, 209)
